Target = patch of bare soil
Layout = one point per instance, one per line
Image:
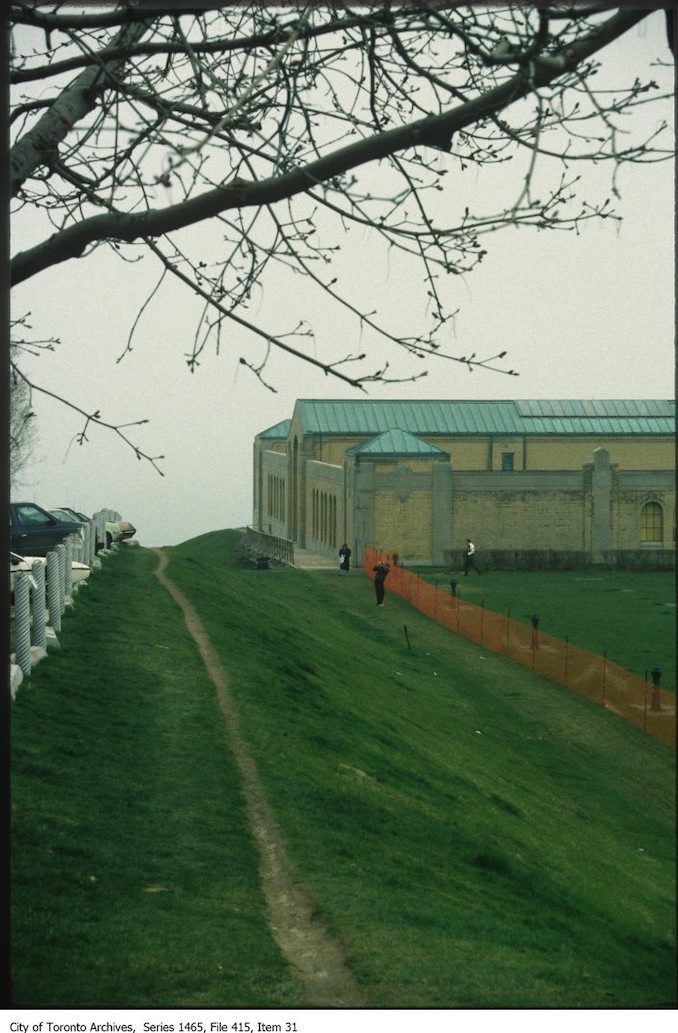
(315, 957)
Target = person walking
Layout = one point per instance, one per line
(469, 562)
(344, 559)
(381, 573)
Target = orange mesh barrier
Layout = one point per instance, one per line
(594, 677)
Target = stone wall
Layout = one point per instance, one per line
(549, 559)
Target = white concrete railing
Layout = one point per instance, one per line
(42, 596)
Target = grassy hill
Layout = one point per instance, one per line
(629, 615)
(473, 835)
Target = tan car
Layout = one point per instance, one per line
(119, 531)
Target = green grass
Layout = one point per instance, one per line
(130, 851)
(472, 834)
(628, 615)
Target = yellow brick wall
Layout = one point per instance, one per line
(390, 466)
(550, 453)
(274, 494)
(466, 453)
(628, 507)
(330, 449)
(496, 520)
(513, 445)
(324, 505)
(404, 525)
(518, 520)
(626, 454)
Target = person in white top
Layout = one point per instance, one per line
(469, 562)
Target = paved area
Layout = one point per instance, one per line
(314, 561)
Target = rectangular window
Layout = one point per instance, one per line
(507, 460)
(651, 524)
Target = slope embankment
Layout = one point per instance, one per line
(305, 944)
(462, 832)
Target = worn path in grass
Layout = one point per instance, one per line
(303, 941)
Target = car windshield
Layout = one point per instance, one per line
(32, 516)
(72, 513)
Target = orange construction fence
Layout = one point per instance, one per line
(648, 706)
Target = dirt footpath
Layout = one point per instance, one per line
(305, 944)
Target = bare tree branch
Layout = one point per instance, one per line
(258, 123)
(71, 242)
(40, 145)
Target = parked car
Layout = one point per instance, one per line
(116, 530)
(120, 531)
(24, 564)
(34, 530)
(66, 513)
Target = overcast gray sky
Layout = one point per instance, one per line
(581, 316)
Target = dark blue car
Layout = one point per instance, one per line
(34, 531)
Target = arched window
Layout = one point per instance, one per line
(651, 524)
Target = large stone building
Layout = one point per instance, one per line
(561, 483)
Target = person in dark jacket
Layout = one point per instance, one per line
(344, 559)
(380, 574)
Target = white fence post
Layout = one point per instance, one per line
(41, 595)
(60, 551)
(22, 622)
(78, 545)
(39, 631)
(53, 600)
(68, 568)
(91, 542)
(100, 519)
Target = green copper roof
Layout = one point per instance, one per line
(280, 430)
(395, 443)
(443, 418)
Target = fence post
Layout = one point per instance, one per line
(68, 568)
(79, 547)
(567, 650)
(22, 622)
(61, 560)
(92, 539)
(39, 631)
(53, 601)
(535, 637)
(100, 518)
